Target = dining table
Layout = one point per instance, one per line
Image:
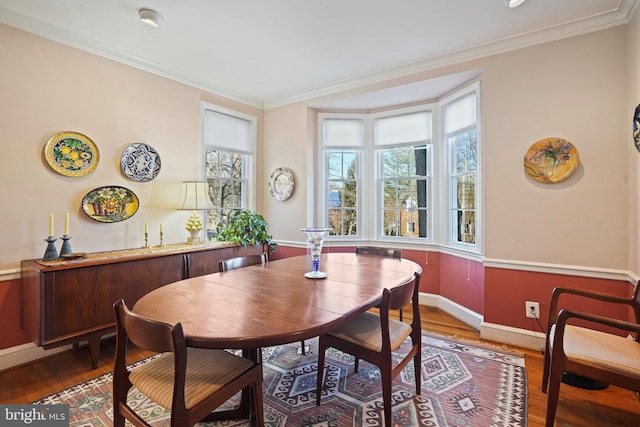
(274, 303)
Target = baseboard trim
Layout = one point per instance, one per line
(13, 357)
(488, 331)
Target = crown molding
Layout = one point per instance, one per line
(618, 16)
(69, 38)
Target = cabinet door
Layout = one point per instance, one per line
(82, 298)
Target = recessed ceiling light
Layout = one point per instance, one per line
(513, 3)
(150, 16)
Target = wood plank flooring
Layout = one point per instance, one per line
(610, 407)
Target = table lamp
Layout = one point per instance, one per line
(194, 197)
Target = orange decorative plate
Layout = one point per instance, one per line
(110, 204)
(551, 160)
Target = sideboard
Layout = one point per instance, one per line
(71, 301)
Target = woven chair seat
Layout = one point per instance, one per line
(608, 351)
(365, 331)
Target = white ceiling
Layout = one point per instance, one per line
(272, 52)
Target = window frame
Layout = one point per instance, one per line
(248, 199)
(448, 161)
(440, 226)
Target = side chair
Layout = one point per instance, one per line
(587, 351)
(374, 338)
(245, 261)
(190, 382)
(380, 251)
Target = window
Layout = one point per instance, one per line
(343, 140)
(403, 147)
(460, 136)
(229, 141)
(393, 176)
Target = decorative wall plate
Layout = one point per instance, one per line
(551, 160)
(71, 154)
(281, 184)
(140, 162)
(110, 204)
(636, 127)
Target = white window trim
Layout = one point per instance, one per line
(444, 162)
(250, 198)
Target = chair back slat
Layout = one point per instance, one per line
(242, 261)
(143, 332)
(374, 250)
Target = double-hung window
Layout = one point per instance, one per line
(403, 153)
(343, 139)
(229, 140)
(459, 122)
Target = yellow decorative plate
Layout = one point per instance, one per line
(71, 154)
(551, 160)
(110, 204)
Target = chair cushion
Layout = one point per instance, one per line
(601, 349)
(207, 371)
(365, 331)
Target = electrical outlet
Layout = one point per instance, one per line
(532, 309)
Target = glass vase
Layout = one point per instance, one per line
(315, 240)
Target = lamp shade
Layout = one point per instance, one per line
(194, 196)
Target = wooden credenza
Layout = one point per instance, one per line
(71, 301)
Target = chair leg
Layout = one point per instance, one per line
(386, 398)
(320, 375)
(400, 314)
(355, 367)
(545, 369)
(303, 349)
(259, 409)
(417, 368)
(553, 394)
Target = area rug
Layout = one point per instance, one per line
(463, 384)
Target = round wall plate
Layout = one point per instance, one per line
(281, 184)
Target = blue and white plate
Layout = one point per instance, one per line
(140, 162)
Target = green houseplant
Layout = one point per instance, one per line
(245, 227)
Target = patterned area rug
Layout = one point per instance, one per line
(463, 384)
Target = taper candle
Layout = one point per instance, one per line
(66, 224)
(146, 228)
(50, 224)
(161, 228)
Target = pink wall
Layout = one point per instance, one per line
(507, 290)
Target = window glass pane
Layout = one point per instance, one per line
(460, 113)
(464, 208)
(465, 152)
(343, 132)
(402, 129)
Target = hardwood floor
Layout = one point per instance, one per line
(577, 407)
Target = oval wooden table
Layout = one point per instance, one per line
(273, 304)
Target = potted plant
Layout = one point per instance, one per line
(245, 227)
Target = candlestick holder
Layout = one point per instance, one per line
(51, 252)
(66, 246)
(146, 240)
(161, 245)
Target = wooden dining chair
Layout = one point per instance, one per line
(374, 338)
(380, 251)
(245, 261)
(242, 261)
(190, 382)
(375, 250)
(587, 351)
